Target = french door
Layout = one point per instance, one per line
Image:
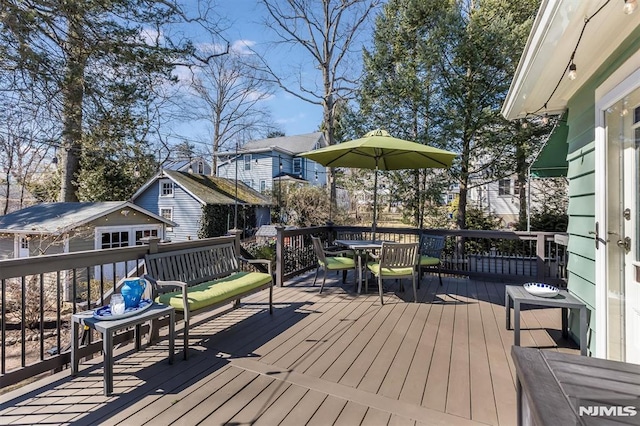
(622, 207)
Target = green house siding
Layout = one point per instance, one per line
(581, 175)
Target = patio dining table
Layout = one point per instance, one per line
(361, 248)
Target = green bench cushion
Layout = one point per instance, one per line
(338, 262)
(212, 292)
(389, 272)
(429, 261)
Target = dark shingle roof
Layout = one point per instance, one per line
(217, 190)
(294, 144)
(58, 217)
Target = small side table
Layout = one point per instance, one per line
(516, 295)
(108, 329)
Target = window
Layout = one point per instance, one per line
(504, 187)
(263, 185)
(166, 189)
(115, 239)
(167, 213)
(248, 182)
(449, 198)
(298, 166)
(516, 188)
(247, 161)
(24, 243)
(145, 233)
(200, 168)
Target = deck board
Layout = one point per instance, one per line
(332, 358)
(458, 396)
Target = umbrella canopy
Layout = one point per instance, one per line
(378, 150)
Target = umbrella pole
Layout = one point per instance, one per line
(375, 202)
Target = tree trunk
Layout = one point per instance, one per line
(73, 94)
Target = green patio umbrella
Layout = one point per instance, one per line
(378, 150)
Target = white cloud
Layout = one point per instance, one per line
(151, 36)
(242, 47)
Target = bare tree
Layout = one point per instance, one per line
(232, 89)
(327, 31)
(23, 147)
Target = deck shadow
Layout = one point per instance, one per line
(240, 332)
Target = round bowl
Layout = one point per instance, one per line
(541, 289)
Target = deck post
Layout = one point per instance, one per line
(236, 233)
(540, 243)
(152, 242)
(279, 254)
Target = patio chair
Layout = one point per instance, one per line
(331, 260)
(396, 261)
(430, 250)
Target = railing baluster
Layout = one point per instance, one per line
(58, 314)
(23, 321)
(41, 317)
(3, 367)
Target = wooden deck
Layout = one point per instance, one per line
(336, 358)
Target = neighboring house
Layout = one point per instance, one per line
(52, 228)
(582, 60)
(196, 165)
(185, 197)
(261, 163)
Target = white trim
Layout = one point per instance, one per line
(167, 182)
(131, 229)
(621, 82)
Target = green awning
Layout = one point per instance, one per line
(552, 158)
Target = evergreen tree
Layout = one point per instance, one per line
(399, 91)
(98, 66)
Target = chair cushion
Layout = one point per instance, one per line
(389, 272)
(211, 292)
(429, 261)
(339, 262)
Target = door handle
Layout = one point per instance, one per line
(625, 244)
(597, 235)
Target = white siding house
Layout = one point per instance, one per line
(262, 162)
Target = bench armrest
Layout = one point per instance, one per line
(258, 261)
(183, 288)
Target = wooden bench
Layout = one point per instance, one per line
(204, 278)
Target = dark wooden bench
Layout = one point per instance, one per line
(204, 278)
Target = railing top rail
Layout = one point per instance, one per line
(11, 268)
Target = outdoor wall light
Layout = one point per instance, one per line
(630, 6)
(573, 71)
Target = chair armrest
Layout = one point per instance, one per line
(337, 252)
(373, 255)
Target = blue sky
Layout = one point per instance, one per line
(244, 25)
(292, 115)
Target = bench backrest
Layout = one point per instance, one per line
(194, 265)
